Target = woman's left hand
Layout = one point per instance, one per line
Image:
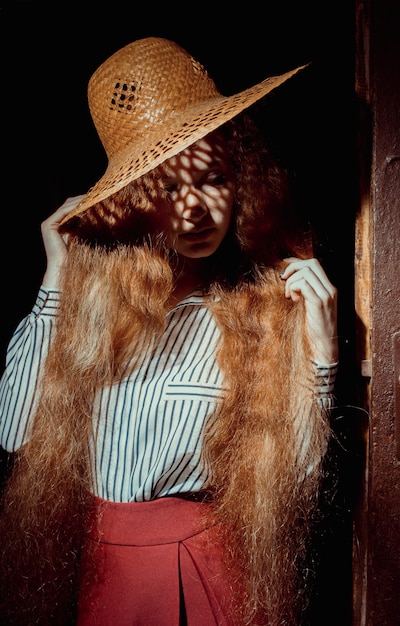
(306, 278)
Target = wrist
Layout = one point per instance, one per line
(51, 279)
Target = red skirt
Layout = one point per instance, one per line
(157, 565)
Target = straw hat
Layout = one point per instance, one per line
(150, 100)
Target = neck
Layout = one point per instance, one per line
(190, 274)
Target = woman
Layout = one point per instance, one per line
(167, 400)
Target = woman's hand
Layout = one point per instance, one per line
(54, 243)
(307, 279)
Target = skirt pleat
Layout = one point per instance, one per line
(158, 564)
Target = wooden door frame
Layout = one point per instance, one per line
(376, 554)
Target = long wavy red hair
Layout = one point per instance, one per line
(116, 288)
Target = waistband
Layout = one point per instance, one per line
(161, 521)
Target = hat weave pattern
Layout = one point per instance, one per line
(149, 101)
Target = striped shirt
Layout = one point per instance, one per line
(148, 426)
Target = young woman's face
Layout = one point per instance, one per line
(200, 193)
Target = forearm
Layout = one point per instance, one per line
(26, 355)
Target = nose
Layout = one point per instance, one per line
(194, 205)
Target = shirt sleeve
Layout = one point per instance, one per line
(26, 355)
(325, 383)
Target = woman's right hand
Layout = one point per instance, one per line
(54, 243)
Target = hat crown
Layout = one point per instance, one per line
(142, 86)
(149, 101)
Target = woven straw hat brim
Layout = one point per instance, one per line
(148, 149)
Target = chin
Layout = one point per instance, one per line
(198, 254)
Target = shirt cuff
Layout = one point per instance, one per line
(47, 302)
(325, 383)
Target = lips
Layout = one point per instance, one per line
(197, 236)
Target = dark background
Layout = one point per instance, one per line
(50, 146)
(51, 151)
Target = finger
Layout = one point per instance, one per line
(316, 297)
(310, 290)
(73, 201)
(312, 272)
(69, 205)
(295, 265)
(53, 221)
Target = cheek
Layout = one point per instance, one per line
(221, 204)
(170, 222)
(168, 225)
